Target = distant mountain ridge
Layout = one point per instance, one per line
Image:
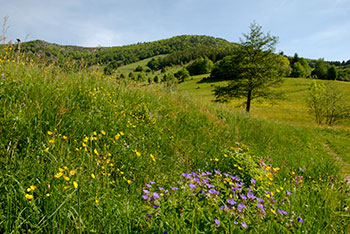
(124, 54)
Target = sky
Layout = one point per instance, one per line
(312, 28)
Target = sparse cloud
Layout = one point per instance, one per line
(307, 27)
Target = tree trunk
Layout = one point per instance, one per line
(249, 97)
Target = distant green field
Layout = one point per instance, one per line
(291, 110)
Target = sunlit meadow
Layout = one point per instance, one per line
(85, 153)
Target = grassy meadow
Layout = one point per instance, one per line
(85, 153)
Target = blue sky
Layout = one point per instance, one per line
(312, 28)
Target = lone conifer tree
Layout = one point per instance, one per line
(256, 69)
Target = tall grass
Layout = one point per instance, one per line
(78, 148)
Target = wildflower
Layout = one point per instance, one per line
(46, 150)
(288, 193)
(273, 211)
(29, 196)
(155, 195)
(252, 181)
(95, 151)
(66, 178)
(251, 195)
(174, 188)
(145, 196)
(145, 191)
(300, 220)
(231, 201)
(103, 132)
(75, 184)
(51, 141)
(213, 191)
(216, 159)
(152, 157)
(217, 172)
(244, 224)
(49, 133)
(217, 222)
(48, 194)
(58, 175)
(149, 186)
(117, 136)
(155, 206)
(73, 172)
(192, 185)
(92, 175)
(152, 182)
(121, 133)
(128, 181)
(282, 212)
(241, 207)
(65, 138)
(243, 196)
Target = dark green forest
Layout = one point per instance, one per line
(185, 50)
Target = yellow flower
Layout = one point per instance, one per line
(73, 172)
(96, 201)
(268, 168)
(129, 181)
(65, 168)
(269, 175)
(216, 159)
(103, 132)
(29, 196)
(225, 155)
(75, 184)
(152, 157)
(46, 150)
(95, 133)
(48, 195)
(66, 178)
(51, 141)
(121, 133)
(32, 187)
(117, 136)
(240, 168)
(277, 190)
(273, 211)
(95, 151)
(61, 170)
(64, 137)
(138, 154)
(49, 133)
(66, 187)
(92, 175)
(293, 173)
(58, 175)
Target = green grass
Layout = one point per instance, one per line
(90, 144)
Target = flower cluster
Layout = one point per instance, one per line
(224, 195)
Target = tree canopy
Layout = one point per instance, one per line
(256, 69)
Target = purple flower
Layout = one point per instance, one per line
(235, 178)
(227, 175)
(210, 186)
(155, 195)
(213, 191)
(252, 181)
(166, 191)
(149, 186)
(217, 222)
(243, 197)
(174, 188)
(145, 196)
(152, 182)
(267, 192)
(233, 189)
(205, 181)
(260, 200)
(235, 222)
(161, 189)
(149, 216)
(244, 224)
(259, 205)
(20, 82)
(186, 175)
(197, 180)
(231, 201)
(23, 104)
(282, 212)
(288, 193)
(300, 220)
(241, 207)
(251, 195)
(192, 185)
(145, 191)
(217, 172)
(223, 207)
(155, 206)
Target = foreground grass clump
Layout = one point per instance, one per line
(76, 150)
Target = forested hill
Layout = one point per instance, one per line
(123, 54)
